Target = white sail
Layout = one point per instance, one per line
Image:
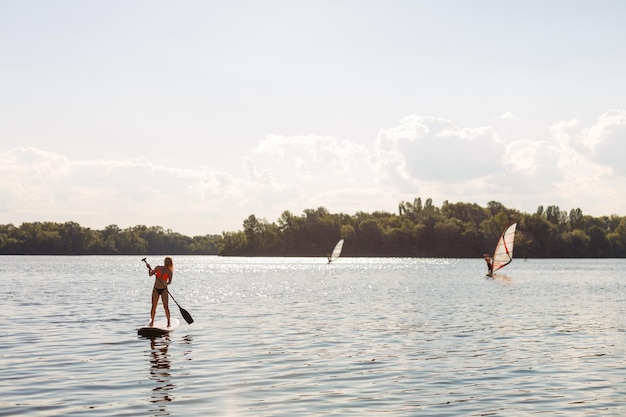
(337, 251)
(503, 255)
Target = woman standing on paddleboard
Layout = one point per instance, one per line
(164, 274)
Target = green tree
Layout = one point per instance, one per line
(234, 243)
(371, 235)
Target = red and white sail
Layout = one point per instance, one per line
(503, 255)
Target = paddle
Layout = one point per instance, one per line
(184, 312)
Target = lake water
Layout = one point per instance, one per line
(297, 336)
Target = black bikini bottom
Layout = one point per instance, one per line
(159, 290)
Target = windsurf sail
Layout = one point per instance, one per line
(503, 255)
(337, 251)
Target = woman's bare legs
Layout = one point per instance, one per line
(165, 298)
(155, 301)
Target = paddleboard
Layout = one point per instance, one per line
(159, 328)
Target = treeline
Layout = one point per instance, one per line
(48, 238)
(454, 230)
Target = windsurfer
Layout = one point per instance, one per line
(489, 264)
(328, 257)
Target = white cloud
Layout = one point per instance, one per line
(326, 161)
(429, 148)
(422, 156)
(317, 171)
(42, 186)
(607, 141)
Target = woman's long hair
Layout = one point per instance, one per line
(169, 263)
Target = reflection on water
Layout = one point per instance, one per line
(160, 364)
(187, 341)
(161, 370)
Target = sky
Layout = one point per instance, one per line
(194, 115)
